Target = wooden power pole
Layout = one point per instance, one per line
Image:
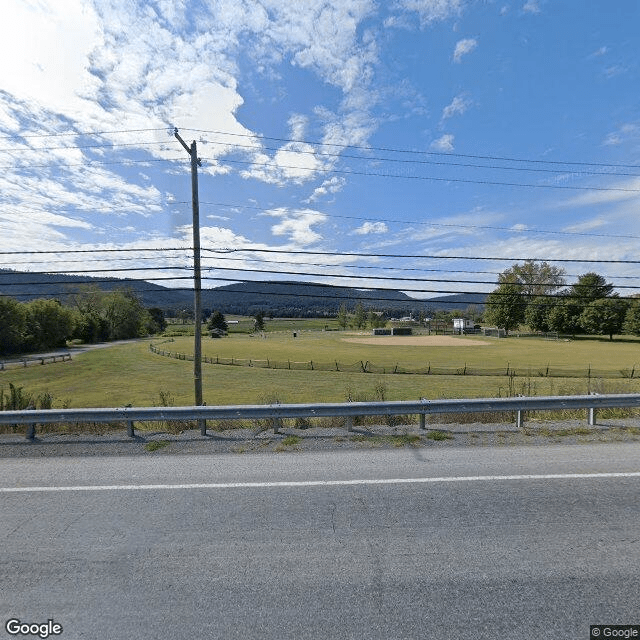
(197, 278)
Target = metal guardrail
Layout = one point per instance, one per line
(62, 357)
(347, 410)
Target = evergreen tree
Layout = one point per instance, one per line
(217, 325)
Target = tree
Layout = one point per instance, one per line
(564, 316)
(258, 323)
(536, 278)
(48, 325)
(125, 315)
(376, 319)
(343, 316)
(506, 306)
(158, 322)
(12, 325)
(604, 316)
(359, 320)
(217, 325)
(632, 319)
(590, 287)
(537, 314)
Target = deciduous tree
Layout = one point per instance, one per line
(604, 316)
(506, 306)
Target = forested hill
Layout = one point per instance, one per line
(273, 298)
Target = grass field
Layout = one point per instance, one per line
(131, 374)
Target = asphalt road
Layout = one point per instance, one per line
(487, 543)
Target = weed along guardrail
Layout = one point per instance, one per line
(427, 369)
(347, 410)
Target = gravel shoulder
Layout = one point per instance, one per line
(153, 441)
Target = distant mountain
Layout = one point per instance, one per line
(272, 297)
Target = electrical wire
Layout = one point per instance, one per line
(416, 152)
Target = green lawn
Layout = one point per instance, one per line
(519, 353)
(131, 374)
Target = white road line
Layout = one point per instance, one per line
(320, 483)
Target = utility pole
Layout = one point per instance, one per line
(197, 279)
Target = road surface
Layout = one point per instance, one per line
(486, 543)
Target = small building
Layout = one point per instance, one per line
(462, 325)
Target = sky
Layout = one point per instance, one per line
(421, 145)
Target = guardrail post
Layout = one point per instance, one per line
(349, 423)
(591, 417)
(31, 431)
(423, 421)
(130, 429)
(520, 419)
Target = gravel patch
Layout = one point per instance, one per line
(291, 440)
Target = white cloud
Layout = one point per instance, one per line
(624, 133)
(600, 51)
(628, 190)
(457, 107)
(531, 6)
(371, 227)
(463, 47)
(296, 225)
(431, 10)
(443, 143)
(332, 185)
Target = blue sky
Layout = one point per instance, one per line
(431, 128)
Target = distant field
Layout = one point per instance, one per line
(417, 351)
(130, 374)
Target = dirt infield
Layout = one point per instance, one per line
(418, 341)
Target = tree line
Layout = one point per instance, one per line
(88, 315)
(536, 294)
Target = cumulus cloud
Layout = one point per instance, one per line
(443, 143)
(296, 224)
(463, 47)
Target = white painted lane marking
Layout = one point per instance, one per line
(321, 483)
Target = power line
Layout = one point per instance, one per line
(425, 178)
(323, 154)
(420, 257)
(416, 152)
(17, 136)
(423, 223)
(12, 264)
(354, 293)
(236, 250)
(367, 148)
